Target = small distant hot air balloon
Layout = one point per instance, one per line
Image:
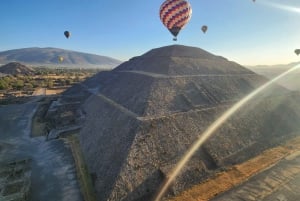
(60, 58)
(175, 14)
(204, 28)
(297, 51)
(67, 34)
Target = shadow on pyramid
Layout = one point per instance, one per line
(141, 117)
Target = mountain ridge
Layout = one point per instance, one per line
(49, 57)
(290, 81)
(287, 65)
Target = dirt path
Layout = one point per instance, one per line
(53, 174)
(39, 92)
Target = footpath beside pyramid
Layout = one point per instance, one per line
(142, 116)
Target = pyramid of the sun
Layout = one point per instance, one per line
(143, 115)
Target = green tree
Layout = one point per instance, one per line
(3, 85)
(19, 84)
(7, 79)
(29, 86)
(34, 83)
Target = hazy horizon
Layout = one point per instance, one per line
(260, 33)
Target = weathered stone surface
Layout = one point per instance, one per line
(15, 181)
(15, 68)
(142, 116)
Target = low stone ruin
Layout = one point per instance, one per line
(15, 180)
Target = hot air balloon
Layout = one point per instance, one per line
(175, 14)
(60, 58)
(297, 51)
(67, 34)
(204, 28)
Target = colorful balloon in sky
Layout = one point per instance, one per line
(175, 14)
(60, 58)
(67, 34)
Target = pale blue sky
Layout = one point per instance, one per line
(264, 32)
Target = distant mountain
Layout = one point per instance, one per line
(15, 68)
(291, 81)
(49, 57)
(277, 66)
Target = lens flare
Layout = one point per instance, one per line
(211, 129)
(283, 7)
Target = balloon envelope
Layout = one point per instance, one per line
(60, 59)
(297, 51)
(67, 34)
(204, 28)
(175, 14)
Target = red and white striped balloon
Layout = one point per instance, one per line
(175, 14)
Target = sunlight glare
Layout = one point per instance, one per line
(283, 7)
(212, 128)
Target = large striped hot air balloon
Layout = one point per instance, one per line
(175, 14)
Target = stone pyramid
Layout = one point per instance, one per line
(15, 68)
(143, 115)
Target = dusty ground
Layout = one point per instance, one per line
(53, 169)
(274, 168)
(45, 91)
(54, 91)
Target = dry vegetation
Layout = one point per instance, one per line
(55, 81)
(239, 173)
